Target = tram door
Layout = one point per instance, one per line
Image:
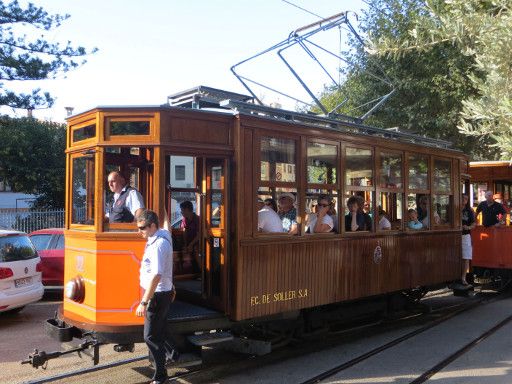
(215, 266)
(202, 270)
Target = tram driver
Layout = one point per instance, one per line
(127, 202)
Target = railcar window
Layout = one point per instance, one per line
(359, 167)
(443, 193)
(322, 160)
(84, 133)
(278, 183)
(418, 172)
(322, 192)
(359, 211)
(277, 159)
(135, 165)
(322, 199)
(390, 170)
(82, 189)
(389, 211)
(442, 209)
(359, 190)
(418, 211)
(123, 128)
(442, 175)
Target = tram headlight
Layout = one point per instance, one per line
(75, 289)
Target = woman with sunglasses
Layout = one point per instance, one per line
(321, 221)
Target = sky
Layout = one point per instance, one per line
(148, 50)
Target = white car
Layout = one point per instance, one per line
(20, 272)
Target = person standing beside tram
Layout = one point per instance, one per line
(127, 202)
(490, 211)
(156, 281)
(468, 223)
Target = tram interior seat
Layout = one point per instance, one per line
(182, 261)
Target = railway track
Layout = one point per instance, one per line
(457, 310)
(335, 337)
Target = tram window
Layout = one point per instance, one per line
(420, 203)
(390, 170)
(82, 190)
(84, 133)
(134, 164)
(322, 160)
(359, 203)
(389, 211)
(442, 175)
(359, 167)
(418, 172)
(123, 128)
(442, 209)
(285, 200)
(312, 207)
(277, 159)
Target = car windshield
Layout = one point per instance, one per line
(14, 248)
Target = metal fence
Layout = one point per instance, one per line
(28, 221)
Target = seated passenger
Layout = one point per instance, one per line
(287, 212)
(423, 210)
(414, 223)
(384, 223)
(268, 219)
(191, 225)
(271, 203)
(321, 221)
(356, 219)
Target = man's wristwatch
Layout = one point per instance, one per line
(143, 303)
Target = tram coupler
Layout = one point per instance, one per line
(40, 358)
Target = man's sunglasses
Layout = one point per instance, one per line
(143, 227)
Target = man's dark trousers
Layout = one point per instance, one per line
(155, 333)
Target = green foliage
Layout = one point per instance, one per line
(22, 58)
(430, 85)
(32, 158)
(481, 31)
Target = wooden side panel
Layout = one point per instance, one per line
(491, 247)
(291, 275)
(200, 131)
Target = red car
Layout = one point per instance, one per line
(50, 247)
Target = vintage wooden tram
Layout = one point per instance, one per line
(492, 259)
(221, 151)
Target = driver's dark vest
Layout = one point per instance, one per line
(118, 212)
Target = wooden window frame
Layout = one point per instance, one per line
(273, 185)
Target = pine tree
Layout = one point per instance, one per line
(24, 58)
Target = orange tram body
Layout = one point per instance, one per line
(222, 152)
(492, 258)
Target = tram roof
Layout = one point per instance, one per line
(491, 163)
(215, 100)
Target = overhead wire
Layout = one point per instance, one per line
(303, 9)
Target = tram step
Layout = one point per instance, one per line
(210, 338)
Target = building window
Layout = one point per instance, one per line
(179, 171)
